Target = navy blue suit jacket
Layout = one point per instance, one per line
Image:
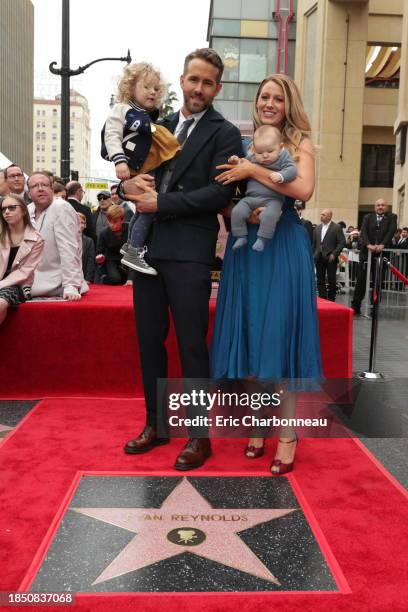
(186, 226)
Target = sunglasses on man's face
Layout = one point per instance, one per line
(10, 207)
(103, 198)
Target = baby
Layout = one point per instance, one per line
(136, 146)
(267, 151)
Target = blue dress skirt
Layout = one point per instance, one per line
(266, 318)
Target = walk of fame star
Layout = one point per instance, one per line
(186, 521)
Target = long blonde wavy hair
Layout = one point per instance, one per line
(132, 74)
(297, 124)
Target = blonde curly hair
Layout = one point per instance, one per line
(133, 73)
(297, 124)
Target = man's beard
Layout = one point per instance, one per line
(202, 105)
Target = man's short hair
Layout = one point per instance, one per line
(72, 187)
(115, 212)
(58, 187)
(405, 229)
(208, 55)
(11, 166)
(41, 173)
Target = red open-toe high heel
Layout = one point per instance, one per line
(256, 451)
(283, 468)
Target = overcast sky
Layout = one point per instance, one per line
(160, 31)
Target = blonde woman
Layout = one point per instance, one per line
(266, 321)
(20, 252)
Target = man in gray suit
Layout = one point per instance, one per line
(328, 242)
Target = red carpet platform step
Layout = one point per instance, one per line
(89, 348)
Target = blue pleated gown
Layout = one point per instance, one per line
(266, 318)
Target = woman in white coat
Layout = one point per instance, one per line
(21, 248)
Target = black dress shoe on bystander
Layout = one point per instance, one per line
(144, 442)
(194, 454)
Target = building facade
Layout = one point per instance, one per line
(17, 81)
(254, 38)
(47, 135)
(348, 67)
(400, 196)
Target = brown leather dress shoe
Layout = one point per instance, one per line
(194, 454)
(144, 442)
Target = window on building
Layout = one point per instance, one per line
(377, 165)
(54, 112)
(71, 137)
(228, 49)
(37, 135)
(54, 160)
(226, 27)
(248, 59)
(255, 9)
(53, 148)
(38, 112)
(54, 125)
(42, 159)
(54, 136)
(42, 147)
(37, 148)
(37, 159)
(253, 60)
(73, 114)
(43, 136)
(227, 9)
(38, 124)
(247, 92)
(43, 113)
(43, 124)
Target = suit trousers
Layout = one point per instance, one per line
(324, 268)
(184, 288)
(360, 288)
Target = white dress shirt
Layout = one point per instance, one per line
(325, 227)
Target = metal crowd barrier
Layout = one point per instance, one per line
(394, 293)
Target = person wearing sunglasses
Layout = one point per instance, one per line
(100, 220)
(21, 248)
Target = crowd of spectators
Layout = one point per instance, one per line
(84, 245)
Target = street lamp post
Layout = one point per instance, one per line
(66, 73)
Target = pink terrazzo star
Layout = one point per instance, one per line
(185, 517)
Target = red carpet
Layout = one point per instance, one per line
(89, 348)
(362, 515)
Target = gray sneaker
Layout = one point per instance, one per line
(134, 258)
(124, 248)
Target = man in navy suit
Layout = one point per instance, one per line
(186, 200)
(377, 231)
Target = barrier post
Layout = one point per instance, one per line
(371, 373)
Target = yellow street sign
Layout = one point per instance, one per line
(96, 186)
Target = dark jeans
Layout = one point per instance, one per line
(326, 268)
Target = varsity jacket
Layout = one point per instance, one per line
(127, 135)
